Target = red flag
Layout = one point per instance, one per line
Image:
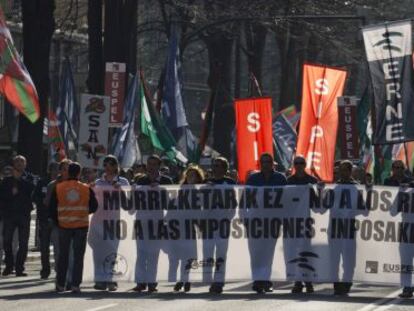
(319, 118)
(254, 133)
(56, 143)
(15, 82)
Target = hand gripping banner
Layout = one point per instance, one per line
(254, 133)
(388, 48)
(319, 118)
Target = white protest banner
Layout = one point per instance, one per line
(219, 233)
(93, 131)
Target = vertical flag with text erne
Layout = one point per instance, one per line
(389, 53)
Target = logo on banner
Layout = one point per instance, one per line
(302, 261)
(194, 264)
(371, 267)
(398, 268)
(387, 43)
(115, 265)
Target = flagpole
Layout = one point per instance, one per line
(407, 162)
(312, 168)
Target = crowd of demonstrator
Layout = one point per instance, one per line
(65, 198)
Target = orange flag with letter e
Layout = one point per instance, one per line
(319, 118)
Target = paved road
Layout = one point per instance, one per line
(30, 293)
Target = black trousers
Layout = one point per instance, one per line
(46, 230)
(10, 225)
(78, 238)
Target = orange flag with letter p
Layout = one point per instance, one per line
(319, 118)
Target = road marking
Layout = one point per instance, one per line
(103, 307)
(390, 304)
(380, 303)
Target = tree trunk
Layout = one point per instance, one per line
(256, 40)
(220, 52)
(95, 80)
(121, 32)
(38, 28)
(292, 44)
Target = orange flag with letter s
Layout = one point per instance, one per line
(319, 118)
(254, 133)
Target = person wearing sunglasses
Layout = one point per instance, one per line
(300, 177)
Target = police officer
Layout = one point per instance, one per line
(70, 205)
(16, 198)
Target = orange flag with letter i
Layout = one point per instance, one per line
(319, 118)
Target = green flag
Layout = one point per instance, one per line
(159, 135)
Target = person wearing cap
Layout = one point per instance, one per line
(148, 252)
(261, 254)
(110, 177)
(70, 205)
(300, 177)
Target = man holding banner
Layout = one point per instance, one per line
(300, 177)
(215, 250)
(148, 253)
(261, 265)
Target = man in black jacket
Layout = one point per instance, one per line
(16, 201)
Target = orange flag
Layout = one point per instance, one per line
(319, 118)
(254, 133)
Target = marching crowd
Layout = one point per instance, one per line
(65, 198)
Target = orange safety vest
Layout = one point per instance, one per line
(73, 204)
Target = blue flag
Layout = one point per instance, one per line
(284, 139)
(172, 106)
(67, 110)
(125, 146)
